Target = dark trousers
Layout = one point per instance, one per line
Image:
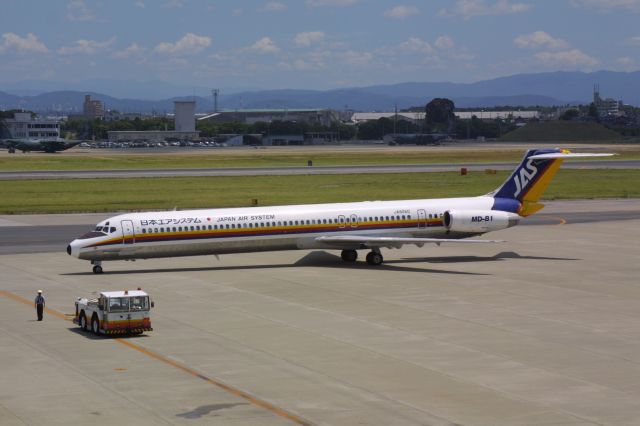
(39, 309)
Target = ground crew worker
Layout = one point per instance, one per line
(39, 303)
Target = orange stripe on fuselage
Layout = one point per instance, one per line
(267, 231)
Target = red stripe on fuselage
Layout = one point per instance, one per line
(257, 232)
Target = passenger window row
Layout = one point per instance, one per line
(252, 225)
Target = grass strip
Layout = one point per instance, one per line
(110, 195)
(106, 160)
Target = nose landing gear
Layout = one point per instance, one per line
(97, 266)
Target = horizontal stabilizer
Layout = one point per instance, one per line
(564, 155)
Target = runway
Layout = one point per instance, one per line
(543, 329)
(265, 171)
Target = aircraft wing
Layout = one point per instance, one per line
(563, 155)
(391, 242)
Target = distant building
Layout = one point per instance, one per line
(493, 115)
(324, 117)
(283, 140)
(185, 116)
(150, 135)
(23, 126)
(185, 127)
(361, 117)
(92, 109)
(417, 117)
(608, 107)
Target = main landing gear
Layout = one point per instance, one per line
(97, 266)
(349, 255)
(374, 257)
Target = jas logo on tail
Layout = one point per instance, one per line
(524, 176)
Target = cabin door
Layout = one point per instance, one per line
(422, 219)
(354, 221)
(341, 221)
(128, 237)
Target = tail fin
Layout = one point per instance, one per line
(531, 178)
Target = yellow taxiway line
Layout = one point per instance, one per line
(151, 354)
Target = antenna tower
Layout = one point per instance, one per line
(215, 93)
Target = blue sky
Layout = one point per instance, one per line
(313, 44)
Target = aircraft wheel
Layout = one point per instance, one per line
(95, 325)
(97, 269)
(374, 258)
(83, 321)
(349, 255)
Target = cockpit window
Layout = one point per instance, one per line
(112, 229)
(92, 234)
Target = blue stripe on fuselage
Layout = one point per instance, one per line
(506, 205)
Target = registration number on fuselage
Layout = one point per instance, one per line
(480, 219)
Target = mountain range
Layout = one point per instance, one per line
(541, 89)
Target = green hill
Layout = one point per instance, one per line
(561, 131)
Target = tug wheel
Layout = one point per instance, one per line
(95, 325)
(83, 321)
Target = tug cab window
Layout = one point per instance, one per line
(139, 303)
(118, 304)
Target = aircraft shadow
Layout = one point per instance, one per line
(464, 259)
(313, 259)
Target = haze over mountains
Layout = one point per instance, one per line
(544, 89)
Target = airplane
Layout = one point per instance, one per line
(348, 227)
(42, 145)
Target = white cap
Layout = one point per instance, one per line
(39, 291)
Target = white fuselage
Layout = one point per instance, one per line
(237, 230)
